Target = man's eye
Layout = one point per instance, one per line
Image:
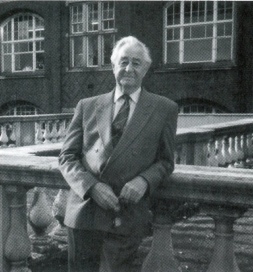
(136, 64)
(123, 63)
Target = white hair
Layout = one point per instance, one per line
(130, 40)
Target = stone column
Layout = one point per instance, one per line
(223, 258)
(40, 217)
(161, 255)
(17, 247)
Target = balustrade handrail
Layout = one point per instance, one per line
(35, 118)
(205, 131)
(193, 183)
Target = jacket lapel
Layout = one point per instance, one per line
(104, 107)
(143, 111)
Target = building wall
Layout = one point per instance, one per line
(228, 86)
(41, 90)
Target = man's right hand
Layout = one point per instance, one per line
(105, 197)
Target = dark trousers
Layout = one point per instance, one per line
(96, 251)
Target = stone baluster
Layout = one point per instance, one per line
(211, 159)
(228, 158)
(4, 138)
(161, 255)
(231, 150)
(65, 128)
(178, 153)
(239, 152)
(38, 133)
(223, 155)
(218, 154)
(59, 233)
(40, 218)
(223, 258)
(17, 247)
(13, 135)
(249, 145)
(61, 131)
(47, 134)
(54, 132)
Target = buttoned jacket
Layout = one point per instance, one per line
(145, 149)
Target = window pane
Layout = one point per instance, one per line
(7, 32)
(7, 48)
(23, 62)
(209, 11)
(92, 17)
(21, 47)
(78, 52)
(173, 52)
(40, 46)
(92, 51)
(224, 49)
(198, 31)
(200, 50)
(40, 61)
(7, 63)
(187, 12)
(108, 46)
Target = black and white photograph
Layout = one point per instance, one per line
(126, 136)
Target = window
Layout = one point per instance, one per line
(92, 33)
(198, 31)
(22, 43)
(19, 108)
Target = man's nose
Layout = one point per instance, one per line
(129, 67)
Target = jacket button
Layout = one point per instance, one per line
(96, 150)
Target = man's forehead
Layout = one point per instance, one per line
(133, 52)
(130, 57)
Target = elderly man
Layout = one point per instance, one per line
(118, 149)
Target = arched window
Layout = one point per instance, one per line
(19, 108)
(22, 43)
(198, 31)
(192, 105)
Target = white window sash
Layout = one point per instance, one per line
(182, 26)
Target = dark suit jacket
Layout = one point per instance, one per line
(146, 149)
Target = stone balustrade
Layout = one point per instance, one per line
(222, 193)
(33, 129)
(225, 145)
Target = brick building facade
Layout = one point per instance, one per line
(54, 53)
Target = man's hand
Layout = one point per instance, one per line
(133, 190)
(105, 197)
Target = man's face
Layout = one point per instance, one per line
(130, 67)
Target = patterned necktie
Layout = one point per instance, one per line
(120, 120)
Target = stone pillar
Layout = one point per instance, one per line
(40, 218)
(223, 258)
(17, 247)
(161, 255)
(59, 233)
(4, 226)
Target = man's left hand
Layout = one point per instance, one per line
(134, 190)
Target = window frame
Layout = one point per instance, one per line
(85, 33)
(29, 40)
(206, 64)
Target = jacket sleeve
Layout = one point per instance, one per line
(70, 159)
(164, 163)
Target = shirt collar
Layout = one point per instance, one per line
(134, 96)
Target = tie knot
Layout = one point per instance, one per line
(126, 97)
